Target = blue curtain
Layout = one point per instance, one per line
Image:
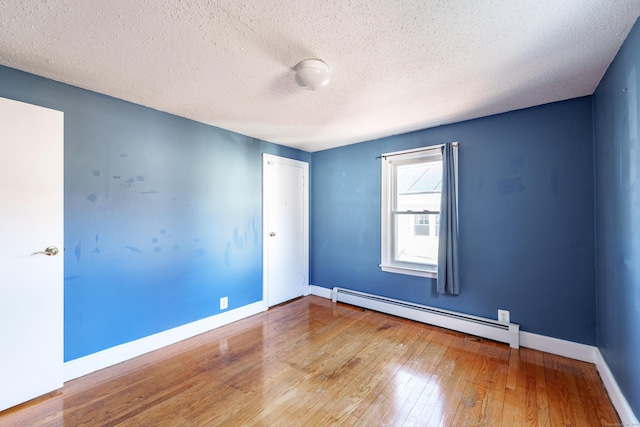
(448, 281)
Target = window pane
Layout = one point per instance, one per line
(412, 246)
(418, 186)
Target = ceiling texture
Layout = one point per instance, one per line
(396, 66)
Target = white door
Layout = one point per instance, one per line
(285, 229)
(31, 220)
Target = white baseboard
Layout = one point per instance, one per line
(114, 355)
(570, 349)
(625, 412)
(320, 291)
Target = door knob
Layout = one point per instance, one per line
(50, 251)
(272, 234)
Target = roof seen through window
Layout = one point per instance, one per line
(423, 178)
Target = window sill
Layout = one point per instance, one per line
(431, 272)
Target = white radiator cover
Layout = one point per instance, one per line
(508, 333)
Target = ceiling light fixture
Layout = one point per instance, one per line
(312, 74)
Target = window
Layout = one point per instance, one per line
(411, 185)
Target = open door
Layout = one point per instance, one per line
(31, 251)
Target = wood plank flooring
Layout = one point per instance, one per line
(315, 363)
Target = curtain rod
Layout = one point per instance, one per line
(415, 150)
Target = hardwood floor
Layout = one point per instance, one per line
(312, 362)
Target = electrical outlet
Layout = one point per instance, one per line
(504, 316)
(224, 303)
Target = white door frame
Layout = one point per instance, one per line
(266, 159)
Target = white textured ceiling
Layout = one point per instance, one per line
(396, 66)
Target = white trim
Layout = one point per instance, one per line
(570, 349)
(266, 160)
(625, 412)
(396, 268)
(320, 291)
(415, 150)
(103, 359)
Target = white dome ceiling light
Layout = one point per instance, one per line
(312, 74)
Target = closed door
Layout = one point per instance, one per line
(31, 220)
(285, 228)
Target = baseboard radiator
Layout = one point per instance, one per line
(487, 328)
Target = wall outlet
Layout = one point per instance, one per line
(224, 303)
(504, 316)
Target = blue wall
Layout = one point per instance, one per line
(163, 215)
(616, 115)
(526, 219)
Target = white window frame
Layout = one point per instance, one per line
(389, 163)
